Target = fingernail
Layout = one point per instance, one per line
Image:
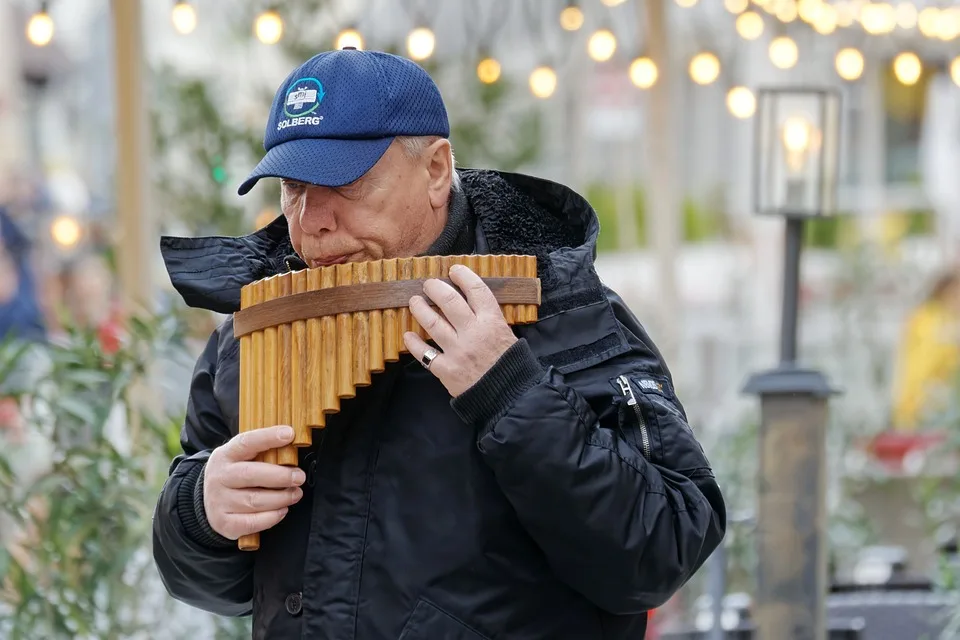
(286, 433)
(283, 511)
(299, 476)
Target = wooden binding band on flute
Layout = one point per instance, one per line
(309, 338)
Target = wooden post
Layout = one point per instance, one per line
(134, 240)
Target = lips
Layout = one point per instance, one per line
(326, 262)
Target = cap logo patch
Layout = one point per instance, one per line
(303, 97)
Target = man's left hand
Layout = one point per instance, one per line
(470, 331)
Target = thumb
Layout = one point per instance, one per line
(247, 445)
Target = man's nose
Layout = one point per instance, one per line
(316, 215)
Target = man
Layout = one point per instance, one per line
(526, 483)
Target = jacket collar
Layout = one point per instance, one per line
(516, 214)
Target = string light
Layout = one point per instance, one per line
(704, 68)
(602, 45)
(686, 4)
(349, 38)
(269, 27)
(878, 18)
(65, 231)
(420, 43)
(750, 25)
(929, 22)
(783, 52)
(488, 70)
(907, 15)
(571, 18)
(849, 63)
(40, 27)
(948, 26)
(736, 6)
(786, 12)
(810, 10)
(741, 102)
(826, 20)
(543, 82)
(955, 70)
(643, 72)
(907, 68)
(184, 17)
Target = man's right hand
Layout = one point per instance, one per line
(243, 496)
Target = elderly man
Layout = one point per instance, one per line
(531, 482)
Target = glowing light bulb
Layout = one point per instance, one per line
(65, 231)
(704, 68)
(686, 4)
(184, 18)
(602, 45)
(907, 67)
(849, 63)
(349, 38)
(741, 102)
(783, 52)
(643, 72)
(736, 6)
(796, 134)
(420, 43)
(488, 70)
(571, 18)
(955, 71)
(269, 27)
(543, 82)
(907, 15)
(750, 25)
(928, 22)
(40, 28)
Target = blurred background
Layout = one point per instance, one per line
(718, 140)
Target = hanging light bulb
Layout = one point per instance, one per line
(928, 22)
(349, 38)
(783, 52)
(543, 82)
(643, 72)
(269, 27)
(750, 25)
(826, 20)
(65, 231)
(184, 17)
(948, 26)
(40, 27)
(955, 71)
(488, 70)
(420, 43)
(786, 12)
(704, 68)
(736, 6)
(907, 67)
(878, 18)
(810, 10)
(741, 102)
(571, 18)
(602, 45)
(849, 63)
(907, 15)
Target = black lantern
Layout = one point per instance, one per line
(795, 175)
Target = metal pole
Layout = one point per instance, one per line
(791, 290)
(133, 242)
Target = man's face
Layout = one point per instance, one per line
(396, 210)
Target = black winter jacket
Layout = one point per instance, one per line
(565, 501)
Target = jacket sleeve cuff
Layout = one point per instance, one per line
(192, 514)
(492, 395)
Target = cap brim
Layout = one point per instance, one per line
(325, 162)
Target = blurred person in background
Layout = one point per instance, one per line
(546, 485)
(928, 361)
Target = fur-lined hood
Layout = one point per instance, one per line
(516, 214)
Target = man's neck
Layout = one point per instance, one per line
(456, 236)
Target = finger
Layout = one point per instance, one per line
(245, 475)
(246, 445)
(258, 500)
(478, 294)
(416, 347)
(456, 310)
(243, 524)
(435, 324)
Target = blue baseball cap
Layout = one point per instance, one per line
(335, 115)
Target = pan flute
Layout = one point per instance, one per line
(309, 338)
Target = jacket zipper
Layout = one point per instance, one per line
(632, 402)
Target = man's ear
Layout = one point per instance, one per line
(439, 165)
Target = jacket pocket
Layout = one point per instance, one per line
(429, 622)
